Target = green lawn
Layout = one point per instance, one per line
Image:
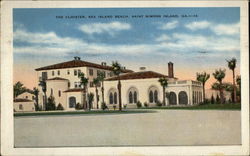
(41, 113)
(231, 106)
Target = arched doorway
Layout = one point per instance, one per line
(172, 98)
(183, 99)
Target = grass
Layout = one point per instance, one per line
(230, 106)
(45, 113)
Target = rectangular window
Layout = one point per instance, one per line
(59, 93)
(58, 72)
(75, 72)
(91, 72)
(91, 84)
(53, 73)
(69, 84)
(76, 84)
(68, 72)
(98, 72)
(44, 76)
(79, 71)
(104, 73)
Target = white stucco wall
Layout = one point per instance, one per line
(143, 86)
(27, 106)
(26, 95)
(56, 86)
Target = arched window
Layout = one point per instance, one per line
(155, 96)
(193, 98)
(151, 97)
(115, 98)
(135, 97)
(59, 93)
(72, 102)
(20, 107)
(130, 97)
(183, 99)
(111, 98)
(172, 98)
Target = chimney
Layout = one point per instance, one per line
(104, 64)
(142, 68)
(77, 58)
(170, 70)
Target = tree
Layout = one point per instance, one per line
(230, 88)
(238, 81)
(164, 83)
(84, 82)
(18, 89)
(203, 77)
(217, 99)
(212, 99)
(232, 66)
(101, 77)
(116, 67)
(44, 89)
(90, 100)
(96, 82)
(36, 93)
(219, 75)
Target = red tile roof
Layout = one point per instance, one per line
(57, 78)
(78, 63)
(138, 75)
(74, 90)
(22, 100)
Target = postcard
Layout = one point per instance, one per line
(124, 78)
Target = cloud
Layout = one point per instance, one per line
(218, 29)
(99, 28)
(178, 44)
(226, 29)
(198, 25)
(168, 25)
(162, 38)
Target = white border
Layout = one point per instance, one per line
(7, 140)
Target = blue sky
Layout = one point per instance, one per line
(193, 43)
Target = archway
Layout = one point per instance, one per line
(72, 102)
(172, 98)
(183, 99)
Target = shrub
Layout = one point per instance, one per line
(217, 99)
(158, 103)
(125, 106)
(138, 104)
(145, 104)
(212, 99)
(59, 107)
(51, 104)
(104, 106)
(78, 106)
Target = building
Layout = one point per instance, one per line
(24, 102)
(63, 83)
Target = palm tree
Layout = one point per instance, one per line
(96, 82)
(219, 75)
(101, 77)
(116, 67)
(36, 93)
(238, 81)
(164, 83)
(84, 82)
(203, 77)
(18, 89)
(232, 66)
(44, 89)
